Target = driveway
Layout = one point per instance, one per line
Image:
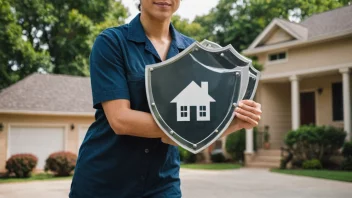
(248, 183)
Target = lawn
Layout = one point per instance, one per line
(34, 177)
(324, 174)
(222, 166)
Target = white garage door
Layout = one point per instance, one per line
(82, 134)
(38, 141)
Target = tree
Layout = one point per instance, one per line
(58, 33)
(18, 58)
(191, 29)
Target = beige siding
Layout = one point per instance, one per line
(38, 121)
(276, 107)
(278, 36)
(326, 54)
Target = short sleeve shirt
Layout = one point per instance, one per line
(111, 165)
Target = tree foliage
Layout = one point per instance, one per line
(191, 29)
(52, 35)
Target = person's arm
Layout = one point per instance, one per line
(125, 121)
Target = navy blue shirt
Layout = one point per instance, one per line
(111, 165)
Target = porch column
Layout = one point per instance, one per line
(249, 141)
(346, 102)
(295, 103)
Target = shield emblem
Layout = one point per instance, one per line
(192, 96)
(254, 75)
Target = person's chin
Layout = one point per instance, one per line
(162, 15)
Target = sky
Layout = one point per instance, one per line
(188, 9)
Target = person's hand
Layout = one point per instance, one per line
(166, 140)
(248, 114)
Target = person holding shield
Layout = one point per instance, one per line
(125, 153)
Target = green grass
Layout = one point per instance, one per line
(324, 174)
(222, 166)
(34, 177)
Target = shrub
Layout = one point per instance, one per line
(312, 164)
(186, 156)
(21, 165)
(61, 163)
(347, 164)
(315, 142)
(236, 145)
(217, 156)
(347, 149)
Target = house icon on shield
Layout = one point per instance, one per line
(193, 95)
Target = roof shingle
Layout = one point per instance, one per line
(330, 22)
(48, 93)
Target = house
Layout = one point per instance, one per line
(193, 95)
(306, 77)
(42, 114)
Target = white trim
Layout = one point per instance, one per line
(295, 102)
(36, 125)
(57, 113)
(346, 92)
(305, 71)
(295, 43)
(249, 141)
(268, 29)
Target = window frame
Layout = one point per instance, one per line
(202, 112)
(277, 53)
(184, 112)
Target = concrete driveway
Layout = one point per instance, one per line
(248, 183)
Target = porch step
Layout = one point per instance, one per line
(270, 152)
(265, 159)
(262, 165)
(274, 159)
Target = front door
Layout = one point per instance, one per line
(307, 101)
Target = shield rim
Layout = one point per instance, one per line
(257, 76)
(149, 93)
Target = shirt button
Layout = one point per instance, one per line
(146, 150)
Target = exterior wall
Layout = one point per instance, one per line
(278, 36)
(331, 53)
(71, 139)
(275, 99)
(324, 101)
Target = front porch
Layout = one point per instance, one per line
(320, 98)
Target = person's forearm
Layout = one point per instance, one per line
(136, 123)
(232, 128)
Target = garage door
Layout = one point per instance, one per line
(38, 141)
(82, 134)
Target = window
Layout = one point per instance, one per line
(337, 102)
(184, 113)
(277, 56)
(202, 111)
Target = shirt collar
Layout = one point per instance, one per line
(136, 33)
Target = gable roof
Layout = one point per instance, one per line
(296, 31)
(48, 94)
(193, 95)
(318, 27)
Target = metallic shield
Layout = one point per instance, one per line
(192, 96)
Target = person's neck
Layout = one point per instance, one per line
(155, 29)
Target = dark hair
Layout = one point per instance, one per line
(139, 6)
